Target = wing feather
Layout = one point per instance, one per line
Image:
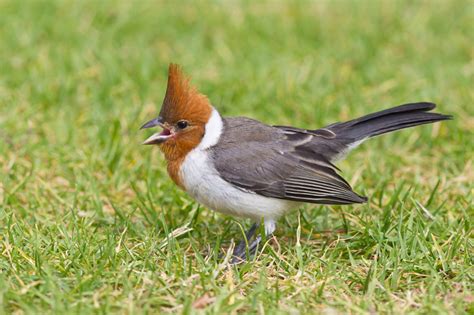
(280, 164)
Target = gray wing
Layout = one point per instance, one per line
(278, 163)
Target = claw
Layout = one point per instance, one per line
(247, 248)
(243, 243)
(240, 253)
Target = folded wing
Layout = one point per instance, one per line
(272, 162)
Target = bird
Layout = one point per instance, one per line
(245, 168)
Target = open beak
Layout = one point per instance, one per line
(159, 137)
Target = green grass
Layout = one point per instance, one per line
(90, 222)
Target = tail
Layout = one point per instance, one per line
(400, 117)
(353, 132)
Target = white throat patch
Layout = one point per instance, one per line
(213, 131)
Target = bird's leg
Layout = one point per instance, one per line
(243, 243)
(240, 251)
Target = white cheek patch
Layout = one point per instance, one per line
(213, 131)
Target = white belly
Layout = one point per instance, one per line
(202, 181)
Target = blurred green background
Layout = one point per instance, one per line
(87, 214)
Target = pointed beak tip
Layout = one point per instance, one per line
(156, 138)
(151, 140)
(152, 123)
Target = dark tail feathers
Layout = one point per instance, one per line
(400, 117)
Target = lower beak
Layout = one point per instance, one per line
(158, 138)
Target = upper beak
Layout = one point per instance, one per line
(152, 123)
(159, 137)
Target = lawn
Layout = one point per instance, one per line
(91, 223)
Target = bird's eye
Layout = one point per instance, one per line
(182, 124)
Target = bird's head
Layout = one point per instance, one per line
(183, 117)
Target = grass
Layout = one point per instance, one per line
(90, 222)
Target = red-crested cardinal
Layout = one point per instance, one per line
(242, 167)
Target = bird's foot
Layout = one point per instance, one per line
(240, 256)
(247, 247)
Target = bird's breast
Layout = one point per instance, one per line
(201, 180)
